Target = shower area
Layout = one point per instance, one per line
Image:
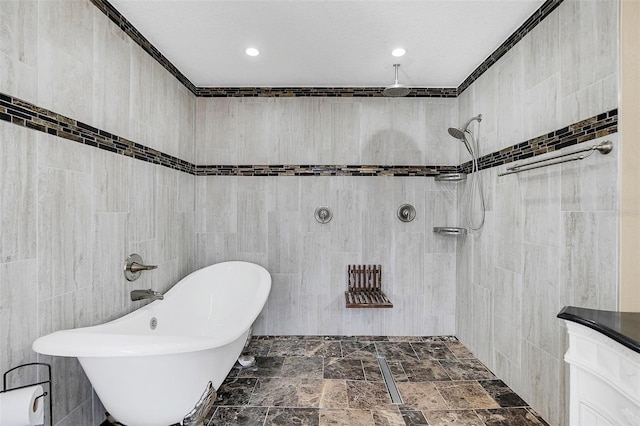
(262, 165)
(536, 241)
(270, 219)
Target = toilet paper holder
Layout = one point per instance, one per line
(50, 393)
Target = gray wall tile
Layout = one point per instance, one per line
(70, 213)
(19, 49)
(18, 195)
(551, 234)
(313, 257)
(18, 316)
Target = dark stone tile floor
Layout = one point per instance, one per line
(336, 380)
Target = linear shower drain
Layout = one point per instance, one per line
(389, 382)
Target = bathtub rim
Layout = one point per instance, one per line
(92, 341)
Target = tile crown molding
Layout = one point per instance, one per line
(355, 92)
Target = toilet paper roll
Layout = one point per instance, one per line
(21, 408)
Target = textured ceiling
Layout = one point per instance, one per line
(330, 43)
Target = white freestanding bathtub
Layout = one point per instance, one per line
(152, 366)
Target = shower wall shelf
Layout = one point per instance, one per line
(365, 287)
(450, 177)
(450, 230)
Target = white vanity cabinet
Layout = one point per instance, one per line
(604, 372)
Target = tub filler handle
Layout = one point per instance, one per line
(133, 267)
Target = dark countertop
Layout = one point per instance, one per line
(623, 327)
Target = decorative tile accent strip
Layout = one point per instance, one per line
(368, 92)
(321, 170)
(595, 127)
(421, 92)
(24, 114)
(537, 17)
(117, 18)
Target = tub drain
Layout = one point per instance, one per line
(153, 323)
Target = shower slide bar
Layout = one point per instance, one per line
(604, 147)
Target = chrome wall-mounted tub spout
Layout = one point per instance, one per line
(146, 294)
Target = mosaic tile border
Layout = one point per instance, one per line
(421, 92)
(537, 17)
(583, 131)
(25, 114)
(355, 92)
(322, 170)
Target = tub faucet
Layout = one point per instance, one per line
(146, 294)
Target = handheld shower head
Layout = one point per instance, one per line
(456, 133)
(474, 188)
(460, 134)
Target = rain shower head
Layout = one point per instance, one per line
(396, 90)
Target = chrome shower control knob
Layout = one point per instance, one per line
(406, 213)
(323, 214)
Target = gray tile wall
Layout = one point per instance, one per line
(551, 235)
(69, 213)
(383, 131)
(269, 220)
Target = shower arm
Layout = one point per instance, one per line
(468, 123)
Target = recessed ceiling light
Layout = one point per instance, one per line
(398, 52)
(252, 51)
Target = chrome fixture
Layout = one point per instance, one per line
(449, 230)
(323, 214)
(146, 294)
(196, 416)
(396, 90)
(603, 148)
(460, 133)
(450, 177)
(470, 142)
(246, 361)
(133, 267)
(406, 213)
